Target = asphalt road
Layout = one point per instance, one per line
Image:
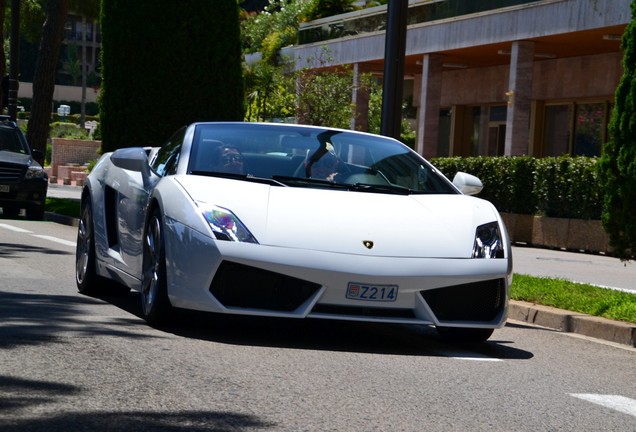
(73, 362)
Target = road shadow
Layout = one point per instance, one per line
(18, 395)
(32, 319)
(14, 250)
(317, 334)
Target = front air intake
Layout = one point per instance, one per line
(243, 286)
(478, 301)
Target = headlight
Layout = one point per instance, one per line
(488, 242)
(225, 224)
(34, 172)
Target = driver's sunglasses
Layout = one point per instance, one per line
(234, 158)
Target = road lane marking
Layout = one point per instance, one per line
(15, 229)
(468, 355)
(476, 357)
(56, 240)
(45, 237)
(619, 403)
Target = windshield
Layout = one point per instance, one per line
(302, 156)
(10, 141)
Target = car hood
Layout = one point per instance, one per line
(348, 222)
(17, 158)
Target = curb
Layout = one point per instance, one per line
(557, 319)
(571, 322)
(64, 220)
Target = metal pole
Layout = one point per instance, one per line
(394, 52)
(14, 60)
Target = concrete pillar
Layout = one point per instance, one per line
(430, 94)
(360, 99)
(519, 99)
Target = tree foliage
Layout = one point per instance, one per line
(326, 8)
(617, 167)
(274, 28)
(164, 67)
(270, 94)
(324, 98)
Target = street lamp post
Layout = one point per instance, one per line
(394, 52)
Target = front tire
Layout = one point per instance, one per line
(465, 335)
(155, 305)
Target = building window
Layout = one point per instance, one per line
(556, 134)
(577, 129)
(496, 139)
(589, 126)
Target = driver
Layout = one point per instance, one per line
(228, 159)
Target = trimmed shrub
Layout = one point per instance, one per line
(566, 187)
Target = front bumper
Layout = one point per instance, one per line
(239, 278)
(24, 194)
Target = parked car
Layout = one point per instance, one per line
(23, 181)
(294, 221)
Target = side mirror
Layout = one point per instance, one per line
(467, 184)
(133, 159)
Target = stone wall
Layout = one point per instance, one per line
(72, 152)
(557, 233)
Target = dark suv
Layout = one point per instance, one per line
(23, 181)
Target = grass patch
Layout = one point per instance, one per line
(575, 297)
(63, 206)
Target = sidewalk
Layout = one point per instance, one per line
(585, 268)
(59, 190)
(598, 270)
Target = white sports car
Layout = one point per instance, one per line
(294, 221)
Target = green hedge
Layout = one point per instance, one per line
(566, 187)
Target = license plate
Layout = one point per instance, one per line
(377, 293)
(5, 188)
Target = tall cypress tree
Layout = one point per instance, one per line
(617, 166)
(166, 66)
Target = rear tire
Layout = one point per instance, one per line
(155, 304)
(35, 213)
(466, 335)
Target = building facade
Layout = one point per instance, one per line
(82, 46)
(494, 77)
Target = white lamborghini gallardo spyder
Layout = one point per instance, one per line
(294, 221)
